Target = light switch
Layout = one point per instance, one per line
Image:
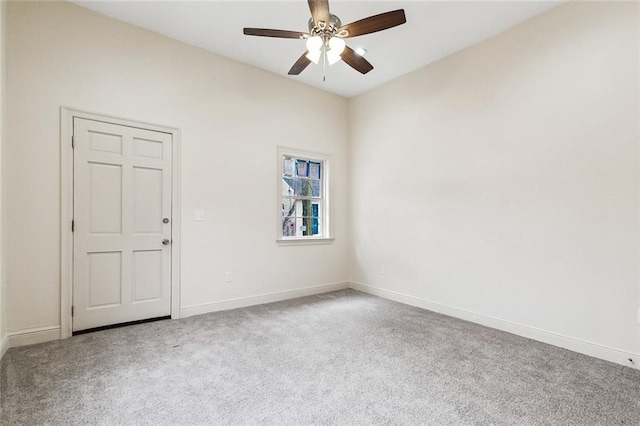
(199, 216)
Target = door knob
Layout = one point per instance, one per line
(166, 242)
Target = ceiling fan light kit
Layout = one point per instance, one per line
(314, 55)
(326, 35)
(337, 45)
(314, 43)
(361, 51)
(332, 57)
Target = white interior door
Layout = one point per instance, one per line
(122, 224)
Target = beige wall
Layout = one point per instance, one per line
(502, 181)
(232, 119)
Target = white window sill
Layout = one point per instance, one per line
(304, 241)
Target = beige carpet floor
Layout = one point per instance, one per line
(339, 358)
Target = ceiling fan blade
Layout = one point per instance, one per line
(374, 23)
(265, 32)
(319, 10)
(356, 61)
(300, 64)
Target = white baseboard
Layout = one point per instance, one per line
(32, 336)
(4, 345)
(261, 299)
(556, 339)
(35, 335)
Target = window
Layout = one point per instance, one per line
(304, 194)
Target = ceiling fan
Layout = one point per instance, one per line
(325, 39)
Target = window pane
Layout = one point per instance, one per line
(315, 188)
(288, 207)
(302, 168)
(302, 188)
(288, 165)
(314, 170)
(289, 227)
(288, 186)
(296, 187)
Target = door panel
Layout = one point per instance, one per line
(122, 193)
(147, 148)
(147, 190)
(147, 275)
(105, 271)
(105, 142)
(105, 191)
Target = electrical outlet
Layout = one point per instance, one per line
(229, 277)
(383, 269)
(199, 216)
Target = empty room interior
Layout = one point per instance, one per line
(312, 212)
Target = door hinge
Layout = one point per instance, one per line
(73, 142)
(72, 311)
(73, 225)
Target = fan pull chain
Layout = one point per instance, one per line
(324, 63)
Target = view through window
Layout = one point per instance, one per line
(303, 196)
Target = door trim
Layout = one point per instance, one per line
(66, 209)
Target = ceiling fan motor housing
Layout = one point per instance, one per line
(324, 29)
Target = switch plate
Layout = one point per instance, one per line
(638, 316)
(383, 269)
(228, 277)
(199, 216)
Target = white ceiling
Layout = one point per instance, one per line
(434, 29)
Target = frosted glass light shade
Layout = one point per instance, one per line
(314, 56)
(314, 43)
(336, 44)
(332, 57)
(361, 51)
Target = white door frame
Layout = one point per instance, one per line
(66, 210)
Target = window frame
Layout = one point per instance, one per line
(325, 225)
